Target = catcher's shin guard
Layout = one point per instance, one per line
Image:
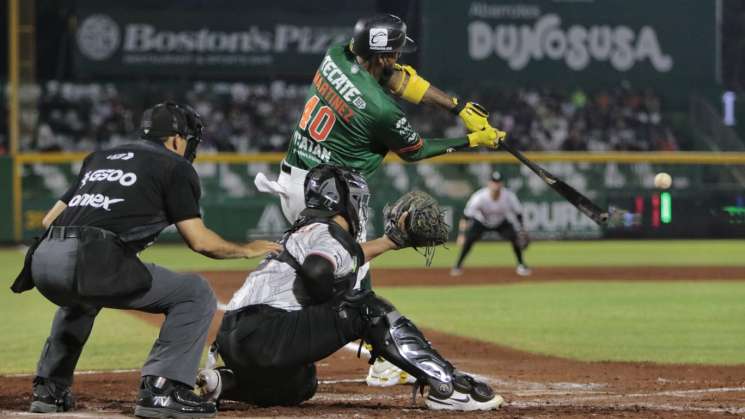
(397, 339)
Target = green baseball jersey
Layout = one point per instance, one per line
(349, 119)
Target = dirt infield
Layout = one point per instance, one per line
(533, 385)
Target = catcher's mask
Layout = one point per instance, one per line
(332, 190)
(169, 118)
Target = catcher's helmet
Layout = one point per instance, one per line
(332, 190)
(169, 118)
(380, 34)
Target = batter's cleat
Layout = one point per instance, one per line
(162, 398)
(50, 397)
(468, 394)
(523, 270)
(456, 272)
(384, 374)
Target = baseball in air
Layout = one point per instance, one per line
(663, 180)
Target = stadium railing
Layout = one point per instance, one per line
(621, 179)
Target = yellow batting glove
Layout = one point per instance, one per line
(489, 137)
(473, 115)
(412, 91)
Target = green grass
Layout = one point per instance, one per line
(548, 253)
(701, 322)
(666, 322)
(119, 340)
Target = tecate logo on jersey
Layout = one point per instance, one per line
(346, 89)
(110, 175)
(93, 200)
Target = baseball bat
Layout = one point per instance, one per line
(581, 202)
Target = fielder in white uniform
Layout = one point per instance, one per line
(493, 208)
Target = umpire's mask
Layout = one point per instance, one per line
(169, 118)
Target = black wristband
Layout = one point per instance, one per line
(459, 105)
(386, 75)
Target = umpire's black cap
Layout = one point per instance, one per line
(162, 120)
(496, 177)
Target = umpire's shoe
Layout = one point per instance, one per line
(468, 394)
(50, 397)
(162, 398)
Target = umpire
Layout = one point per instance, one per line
(123, 198)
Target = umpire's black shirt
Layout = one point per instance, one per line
(134, 190)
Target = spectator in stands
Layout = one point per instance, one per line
(254, 117)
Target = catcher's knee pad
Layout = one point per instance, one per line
(398, 340)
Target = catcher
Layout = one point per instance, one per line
(493, 208)
(305, 304)
(351, 119)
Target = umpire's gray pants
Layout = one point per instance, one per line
(186, 299)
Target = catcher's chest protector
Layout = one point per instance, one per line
(343, 284)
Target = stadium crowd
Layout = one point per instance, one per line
(259, 117)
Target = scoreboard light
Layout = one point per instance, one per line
(666, 208)
(655, 211)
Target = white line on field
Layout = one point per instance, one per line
(354, 346)
(695, 391)
(346, 380)
(359, 397)
(635, 405)
(674, 393)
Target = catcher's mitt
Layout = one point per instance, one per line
(416, 220)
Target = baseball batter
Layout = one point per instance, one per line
(493, 208)
(351, 119)
(305, 304)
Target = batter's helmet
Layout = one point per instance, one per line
(380, 34)
(169, 118)
(332, 190)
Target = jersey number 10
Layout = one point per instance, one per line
(322, 122)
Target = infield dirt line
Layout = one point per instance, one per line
(624, 406)
(87, 372)
(86, 415)
(570, 394)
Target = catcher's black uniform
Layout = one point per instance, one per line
(301, 306)
(273, 331)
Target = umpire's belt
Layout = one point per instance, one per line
(79, 232)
